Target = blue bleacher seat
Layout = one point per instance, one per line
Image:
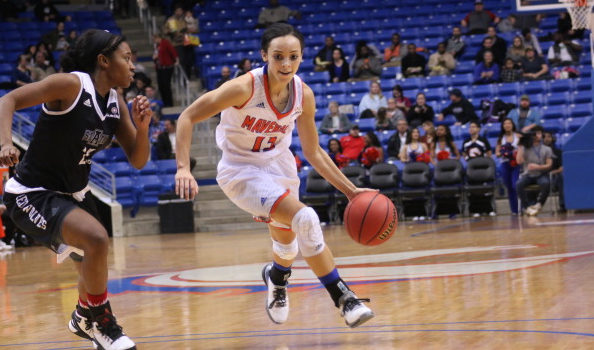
(115, 154)
(6, 69)
(508, 89)
(99, 157)
(166, 166)
(491, 129)
(119, 168)
(413, 84)
(438, 81)
(482, 91)
(150, 188)
(534, 87)
(560, 85)
(125, 193)
(554, 112)
(358, 86)
(167, 182)
(583, 84)
(580, 110)
(461, 80)
(573, 124)
(336, 88)
(296, 142)
(150, 168)
(582, 97)
(558, 98)
(554, 125)
(367, 124)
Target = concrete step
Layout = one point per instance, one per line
(214, 204)
(229, 212)
(209, 220)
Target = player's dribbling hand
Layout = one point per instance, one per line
(186, 186)
(141, 112)
(9, 155)
(358, 190)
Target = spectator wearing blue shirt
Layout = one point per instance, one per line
(21, 75)
(524, 117)
(486, 72)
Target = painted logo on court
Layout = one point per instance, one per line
(364, 269)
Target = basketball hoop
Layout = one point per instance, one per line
(580, 12)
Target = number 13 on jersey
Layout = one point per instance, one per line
(260, 140)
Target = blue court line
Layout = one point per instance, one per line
(325, 328)
(361, 332)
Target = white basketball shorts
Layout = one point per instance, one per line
(258, 189)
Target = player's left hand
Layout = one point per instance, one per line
(141, 112)
(358, 190)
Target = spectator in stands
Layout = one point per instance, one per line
(372, 101)
(444, 147)
(486, 72)
(507, 24)
(402, 102)
(413, 149)
(507, 146)
(62, 44)
(358, 49)
(41, 46)
(531, 40)
(557, 168)
(475, 145)
(517, 50)
(499, 47)
(398, 139)
(393, 55)
(244, 66)
(21, 75)
(323, 58)
(393, 112)
(528, 20)
(336, 154)
(420, 112)
(537, 160)
(429, 137)
(166, 143)
(488, 46)
(71, 38)
(275, 13)
(509, 72)
(165, 58)
(352, 144)
(225, 76)
(335, 121)
(563, 52)
(176, 28)
(367, 65)
(460, 108)
(479, 20)
(413, 64)
(45, 11)
(138, 87)
(191, 23)
(534, 67)
(30, 52)
(524, 117)
(565, 27)
(373, 153)
(42, 67)
(441, 62)
(51, 38)
(382, 122)
(339, 68)
(455, 44)
(155, 104)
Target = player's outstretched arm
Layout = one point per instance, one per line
(233, 93)
(57, 90)
(135, 140)
(315, 154)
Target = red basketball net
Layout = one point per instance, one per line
(580, 12)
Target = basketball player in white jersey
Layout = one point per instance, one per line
(258, 172)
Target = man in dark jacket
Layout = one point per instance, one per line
(165, 144)
(324, 57)
(398, 139)
(413, 64)
(460, 108)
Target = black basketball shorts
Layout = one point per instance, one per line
(40, 214)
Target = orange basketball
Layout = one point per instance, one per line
(370, 218)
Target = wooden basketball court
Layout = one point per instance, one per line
(488, 283)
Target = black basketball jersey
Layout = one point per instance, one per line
(63, 143)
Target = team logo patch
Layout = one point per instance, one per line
(364, 269)
(261, 105)
(263, 200)
(87, 103)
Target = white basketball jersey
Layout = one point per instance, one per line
(256, 132)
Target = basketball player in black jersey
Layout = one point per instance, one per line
(81, 112)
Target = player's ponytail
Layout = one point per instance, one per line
(82, 56)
